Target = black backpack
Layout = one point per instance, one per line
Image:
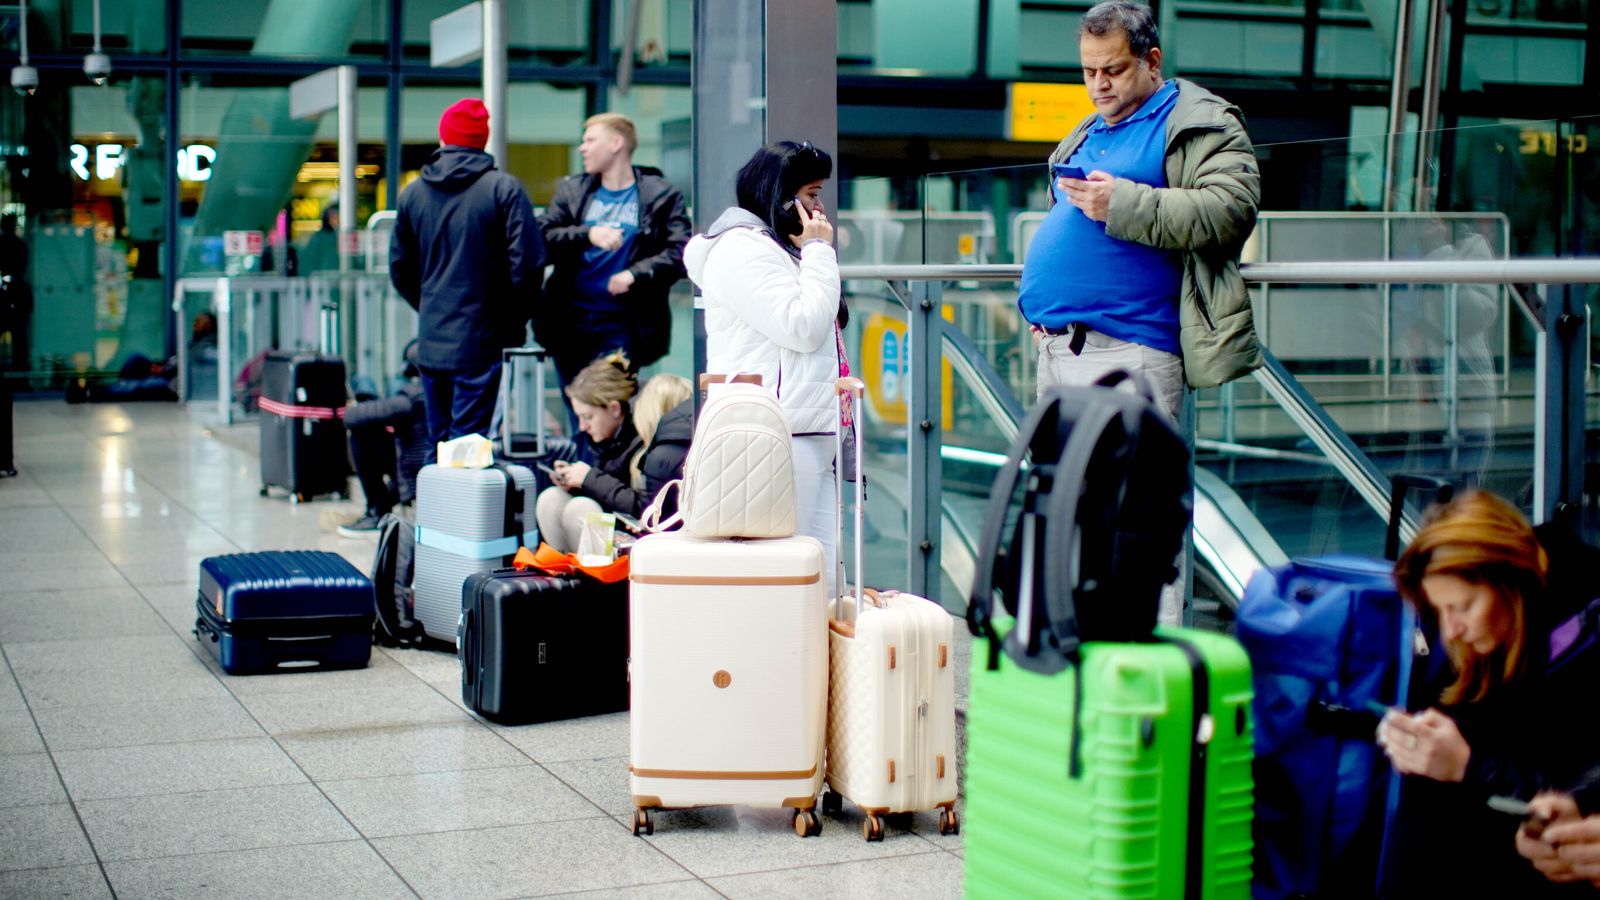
(1105, 502)
(392, 571)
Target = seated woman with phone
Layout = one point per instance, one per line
(601, 395)
(1509, 720)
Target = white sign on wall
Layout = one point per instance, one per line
(194, 161)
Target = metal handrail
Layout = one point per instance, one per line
(1475, 271)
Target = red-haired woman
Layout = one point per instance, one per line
(1515, 704)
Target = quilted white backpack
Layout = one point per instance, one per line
(738, 479)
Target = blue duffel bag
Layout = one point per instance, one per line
(1328, 639)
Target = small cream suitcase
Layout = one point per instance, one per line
(891, 698)
(728, 674)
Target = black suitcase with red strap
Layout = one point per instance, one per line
(303, 448)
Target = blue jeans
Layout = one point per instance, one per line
(459, 404)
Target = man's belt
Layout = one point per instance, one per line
(1078, 330)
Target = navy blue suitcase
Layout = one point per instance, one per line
(284, 609)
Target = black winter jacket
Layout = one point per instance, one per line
(1533, 734)
(656, 263)
(607, 481)
(467, 255)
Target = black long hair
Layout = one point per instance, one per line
(770, 180)
(772, 177)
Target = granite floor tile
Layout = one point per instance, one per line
(86, 575)
(403, 750)
(245, 819)
(18, 733)
(429, 665)
(718, 841)
(10, 694)
(29, 780)
(132, 724)
(453, 801)
(348, 870)
(926, 876)
(65, 883)
(603, 781)
(673, 890)
(133, 652)
(39, 837)
(595, 737)
(527, 860)
(351, 708)
(74, 615)
(168, 679)
(175, 768)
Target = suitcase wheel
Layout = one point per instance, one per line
(642, 823)
(948, 822)
(872, 828)
(297, 497)
(832, 803)
(806, 823)
(264, 490)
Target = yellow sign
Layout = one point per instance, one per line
(1046, 111)
(886, 364)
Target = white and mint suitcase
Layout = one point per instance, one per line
(464, 527)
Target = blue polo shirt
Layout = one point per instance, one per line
(1075, 272)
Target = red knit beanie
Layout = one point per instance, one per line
(465, 124)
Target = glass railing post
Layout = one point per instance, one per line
(1559, 407)
(222, 301)
(924, 423)
(1452, 372)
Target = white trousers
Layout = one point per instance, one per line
(816, 507)
(1102, 354)
(561, 517)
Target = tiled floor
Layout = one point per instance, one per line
(130, 766)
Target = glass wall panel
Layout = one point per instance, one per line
(546, 124)
(666, 30)
(126, 26)
(286, 28)
(85, 181)
(544, 31)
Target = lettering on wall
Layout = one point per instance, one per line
(102, 161)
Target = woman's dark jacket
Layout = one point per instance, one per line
(662, 462)
(1536, 733)
(656, 264)
(607, 481)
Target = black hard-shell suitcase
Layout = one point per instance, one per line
(284, 609)
(538, 647)
(303, 448)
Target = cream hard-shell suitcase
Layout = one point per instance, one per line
(728, 674)
(891, 697)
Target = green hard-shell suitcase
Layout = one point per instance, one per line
(1160, 804)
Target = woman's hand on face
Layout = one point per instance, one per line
(1427, 744)
(1546, 855)
(812, 225)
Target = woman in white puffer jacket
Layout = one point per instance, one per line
(770, 284)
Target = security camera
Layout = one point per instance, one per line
(98, 67)
(25, 80)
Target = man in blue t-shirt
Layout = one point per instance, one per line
(616, 234)
(1138, 268)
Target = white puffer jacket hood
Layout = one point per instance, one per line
(771, 314)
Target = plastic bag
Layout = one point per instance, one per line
(595, 544)
(472, 451)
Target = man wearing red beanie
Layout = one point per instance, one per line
(467, 254)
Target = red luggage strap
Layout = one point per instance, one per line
(291, 411)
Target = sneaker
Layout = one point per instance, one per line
(365, 526)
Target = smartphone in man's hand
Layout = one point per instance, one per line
(1062, 170)
(1533, 824)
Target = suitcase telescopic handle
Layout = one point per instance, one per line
(856, 388)
(508, 385)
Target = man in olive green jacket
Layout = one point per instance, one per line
(1147, 277)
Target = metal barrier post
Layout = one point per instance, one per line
(924, 410)
(222, 299)
(1559, 408)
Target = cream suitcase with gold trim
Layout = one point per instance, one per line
(891, 693)
(728, 674)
